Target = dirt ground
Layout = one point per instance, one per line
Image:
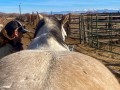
(112, 61)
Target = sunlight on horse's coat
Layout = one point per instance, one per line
(64, 34)
(46, 70)
(54, 46)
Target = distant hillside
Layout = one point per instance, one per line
(2, 14)
(86, 11)
(66, 12)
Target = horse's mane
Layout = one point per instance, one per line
(39, 25)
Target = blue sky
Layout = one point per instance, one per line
(27, 6)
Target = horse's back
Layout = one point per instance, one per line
(43, 70)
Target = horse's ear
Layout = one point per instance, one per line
(65, 19)
(39, 16)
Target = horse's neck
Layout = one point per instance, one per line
(45, 41)
(45, 29)
(55, 46)
(42, 42)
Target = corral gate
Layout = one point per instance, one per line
(104, 32)
(100, 31)
(77, 27)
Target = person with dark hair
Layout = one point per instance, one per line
(10, 38)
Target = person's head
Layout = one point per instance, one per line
(13, 30)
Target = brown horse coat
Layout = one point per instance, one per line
(45, 70)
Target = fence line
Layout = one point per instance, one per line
(100, 31)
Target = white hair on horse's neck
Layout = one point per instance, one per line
(49, 23)
(64, 34)
(55, 46)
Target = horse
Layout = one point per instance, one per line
(50, 34)
(46, 67)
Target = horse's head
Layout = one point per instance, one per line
(51, 24)
(49, 31)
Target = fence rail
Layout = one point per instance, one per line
(98, 30)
